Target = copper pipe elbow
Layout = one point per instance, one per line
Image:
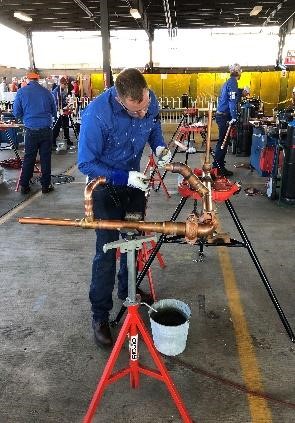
(88, 202)
(189, 176)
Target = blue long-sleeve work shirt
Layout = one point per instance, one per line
(35, 105)
(229, 98)
(111, 140)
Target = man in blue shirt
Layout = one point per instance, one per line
(226, 114)
(34, 104)
(114, 131)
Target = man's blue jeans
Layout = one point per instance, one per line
(37, 140)
(219, 155)
(110, 203)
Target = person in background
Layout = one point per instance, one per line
(115, 129)
(226, 114)
(244, 92)
(60, 96)
(35, 106)
(23, 82)
(3, 87)
(76, 88)
(13, 87)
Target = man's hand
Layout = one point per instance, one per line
(138, 180)
(232, 122)
(164, 156)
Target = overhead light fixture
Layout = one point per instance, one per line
(255, 10)
(135, 13)
(22, 16)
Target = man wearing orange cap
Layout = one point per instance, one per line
(35, 105)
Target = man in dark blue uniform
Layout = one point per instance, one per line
(226, 114)
(60, 96)
(34, 104)
(115, 129)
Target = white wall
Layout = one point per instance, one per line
(191, 48)
(217, 47)
(14, 50)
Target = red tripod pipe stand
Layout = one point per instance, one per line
(133, 326)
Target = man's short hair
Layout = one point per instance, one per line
(63, 80)
(130, 83)
(235, 69)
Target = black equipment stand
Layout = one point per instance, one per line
(233, 243)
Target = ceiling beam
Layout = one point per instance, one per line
(18, 28)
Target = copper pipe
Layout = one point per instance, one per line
(189, 176)
(207, 161)
(88, 202)
(190, 230)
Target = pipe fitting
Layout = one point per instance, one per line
(88, 201)
(189, 176)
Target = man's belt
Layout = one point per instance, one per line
(222, 113)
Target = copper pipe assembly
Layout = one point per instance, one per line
(189, 176)
(191, 230)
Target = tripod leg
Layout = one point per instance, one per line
(151, 258)
(260, 270)
(165, 377)
(105, 378)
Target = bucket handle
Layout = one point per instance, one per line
(149, 307)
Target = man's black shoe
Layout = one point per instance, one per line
(25, 190)
(224, 172)
(145, 297)
(102, 334)
(46, 190)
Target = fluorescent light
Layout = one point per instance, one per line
(22, 16)
(135, 13)
(255, 10)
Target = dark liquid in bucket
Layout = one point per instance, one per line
(169, 317)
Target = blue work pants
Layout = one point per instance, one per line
(110, 203)
(219, 155)
(37, 140)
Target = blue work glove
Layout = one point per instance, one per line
(232, 122)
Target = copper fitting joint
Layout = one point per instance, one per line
(189, 176)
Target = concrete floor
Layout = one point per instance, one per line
(238, 365)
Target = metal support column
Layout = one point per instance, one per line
(30, 50)
(106, 43)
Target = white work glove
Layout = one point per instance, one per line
(138, 180)
(232, 122)
(164, 156)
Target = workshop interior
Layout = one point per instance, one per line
(147, 212)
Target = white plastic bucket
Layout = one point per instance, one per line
(170, 336)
